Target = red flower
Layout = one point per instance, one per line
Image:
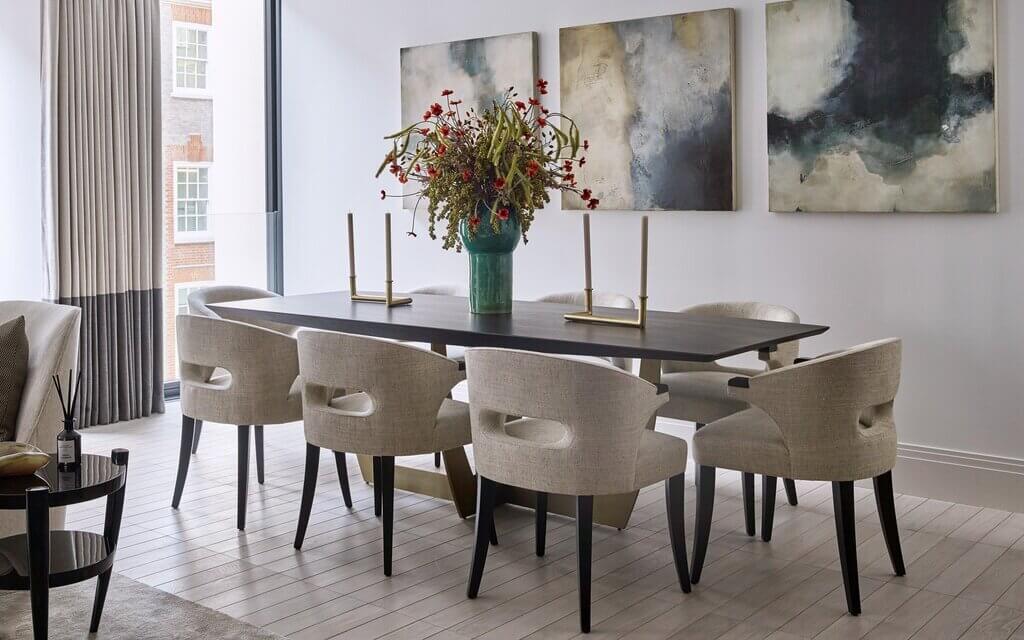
(426, 114)
(520, 105)
(542, 85)
(567, 165)
(436, 109)
(441, 150)
(535, 102)
(445, 130)
(586, 144)
(425, 131)
(593, 203)
(474, 220)
(403, 178)
(586, 194)
(569, 177)
(467, 175)
(532, 167)
(431, 172)
(542, 122)
(544, 110)
(417, 168)
(583, 161)
(503, 213)
(383, 194)
(499, 183)
(447, 92)
(394, 169)
(454, 102)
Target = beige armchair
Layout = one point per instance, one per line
(826, 419)
(585, 434)
(601, 299)
(698, 391)
(53, 337)
(396, 404)
(258, 387)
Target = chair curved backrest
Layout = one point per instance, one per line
(603, 413)
(404, 387)
(835, 412)
(262, 365)
(53, 338)
(601, 299)
(785, 355)
(199, 301)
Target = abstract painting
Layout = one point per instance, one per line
(478, 70)
(655, 99)
(882, 106)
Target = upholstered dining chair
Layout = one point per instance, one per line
(601, 299)
(584, 434)
(377, 398)
(199, 302)
(698, 391)
(53, 332)
(258, 386)
(826, 419)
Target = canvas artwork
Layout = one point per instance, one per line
(655, 97)
(479, 70)
(882, 105)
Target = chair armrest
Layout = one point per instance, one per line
(662, 388)
(739, 382)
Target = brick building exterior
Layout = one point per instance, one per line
(187, 142)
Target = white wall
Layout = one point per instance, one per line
(950, 285)
(21, 244)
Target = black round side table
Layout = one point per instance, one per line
(40, 558)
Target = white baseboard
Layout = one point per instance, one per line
(944, 474)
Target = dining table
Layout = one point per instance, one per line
(442, 320)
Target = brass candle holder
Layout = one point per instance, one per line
(588, 315)
(388, 298)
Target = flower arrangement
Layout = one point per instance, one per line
(495, 164)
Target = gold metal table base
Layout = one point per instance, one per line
(458, 483)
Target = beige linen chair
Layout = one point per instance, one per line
(258, 387)
(825, 419)
(601, 299)
(698, 391)
(53, 337)
(585, 434)
(198, 305)
(395, 403)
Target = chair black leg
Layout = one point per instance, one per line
(748, 502)
(887, 514)
(437, 459)
(376, 486)
(790, 490)
(339, 462)
(195, 440)
(485, 494)
(696, 478)
(188, 426)
(37, 528)
(769, 485)
(493, 538)
(243, 472)
(540, 533)
(308, 491)
(584, 536)
(846, 536)
(675, 488)
(387, 503)
(702, 530)
(259, 453)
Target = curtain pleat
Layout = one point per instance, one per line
(103, 196)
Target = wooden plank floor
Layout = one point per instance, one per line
(965, 565)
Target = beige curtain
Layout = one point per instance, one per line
(102, 195)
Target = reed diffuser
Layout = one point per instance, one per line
(69, 441)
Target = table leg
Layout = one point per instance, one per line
(111, 532)
(37, 516)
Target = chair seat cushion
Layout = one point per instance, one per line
(747, 441)
(453, 426)
(699, 396)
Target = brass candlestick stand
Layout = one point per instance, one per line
(388, 298)
(587, 315)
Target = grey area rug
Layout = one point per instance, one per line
(133, 611)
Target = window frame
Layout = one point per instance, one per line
(180, 286)
(192, 237)
(190, 92)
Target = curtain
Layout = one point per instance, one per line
(102, 196)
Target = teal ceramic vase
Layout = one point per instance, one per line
(490, 262)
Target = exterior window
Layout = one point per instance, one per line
(191, 49)
(181, 294)
(191, 201)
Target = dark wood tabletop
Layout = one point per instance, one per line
(533, 326)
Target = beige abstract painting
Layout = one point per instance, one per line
(655, 98)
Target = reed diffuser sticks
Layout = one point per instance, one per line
(70, 404)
